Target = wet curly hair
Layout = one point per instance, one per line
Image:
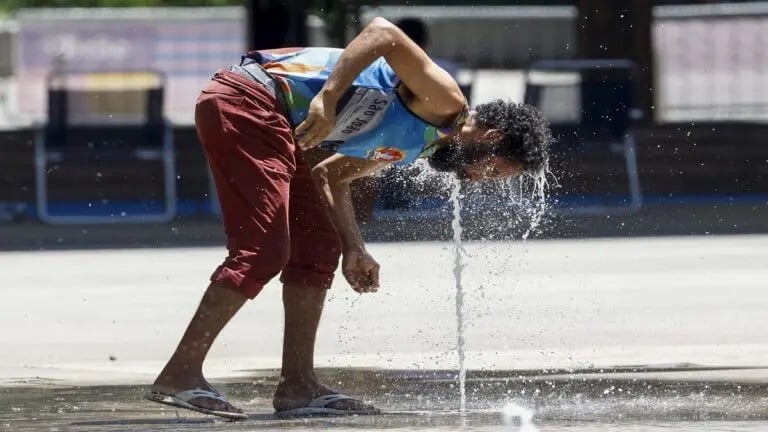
(527, 136)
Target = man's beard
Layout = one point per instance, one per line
(452, 157)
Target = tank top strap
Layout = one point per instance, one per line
(458, 121)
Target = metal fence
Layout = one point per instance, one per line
(712, 62)
(710, 59)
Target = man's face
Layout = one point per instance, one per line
(491, 168)
(471, 155)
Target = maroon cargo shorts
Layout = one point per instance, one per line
(273, 217)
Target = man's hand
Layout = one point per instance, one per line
(361, 271)
(320, 121)
(333, 176)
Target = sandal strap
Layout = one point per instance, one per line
(188, 395)
(324, 401)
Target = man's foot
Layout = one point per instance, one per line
(192, 392)
(316, 399)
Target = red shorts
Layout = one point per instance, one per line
(273, 216)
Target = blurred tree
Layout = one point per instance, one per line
(16, 4)
(317, 5)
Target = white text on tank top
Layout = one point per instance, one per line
(362, 113)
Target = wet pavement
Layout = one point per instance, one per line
(621, 400)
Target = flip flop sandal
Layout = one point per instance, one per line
(320, 407)
(182, 398)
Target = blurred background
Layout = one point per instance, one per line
(659, 107)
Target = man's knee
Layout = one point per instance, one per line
(316, 269)
(248, 270)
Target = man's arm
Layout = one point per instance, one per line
(333, 177)
(423, 77)
(430, 85)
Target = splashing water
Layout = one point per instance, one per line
(508, 209)
(524, 199)
(539, 187)
(515, 415)
(458, 267)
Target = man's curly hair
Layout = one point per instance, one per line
(527, 136)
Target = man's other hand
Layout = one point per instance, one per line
(320, 121)
(361, 271)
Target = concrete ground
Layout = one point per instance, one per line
(652, 334)
(114, 316)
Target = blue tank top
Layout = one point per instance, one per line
(372, 122)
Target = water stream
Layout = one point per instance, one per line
(535, 206)
(458, 267)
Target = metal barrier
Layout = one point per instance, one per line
(106, 154)
(187, 45)
(590, 107)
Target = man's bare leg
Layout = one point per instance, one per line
(298, 383)
(184, 371)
